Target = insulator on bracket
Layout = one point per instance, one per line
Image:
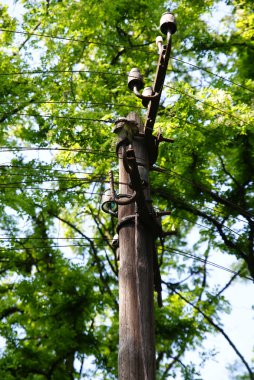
(168, 23)
(135, 79)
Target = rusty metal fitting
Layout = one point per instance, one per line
(130, 219)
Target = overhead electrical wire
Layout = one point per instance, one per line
(189, 255)
(10, 237)
(74, 39)
(121, 46)
(46, 168)
(186, 192)
(187, 180)
(212, 73)
(230, 114)
(86, 104)
(59, 117)
(71, 71)
(59, 190)
(76, 150)
(4, 149)
(165, 170)
(95, 179)
(95, 104)
(206, 227)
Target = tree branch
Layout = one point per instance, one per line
(217, 327)
(94, 250)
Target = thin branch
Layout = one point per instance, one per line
(227, 284)
(217, 327)
(106, 239)
(9, 311)
(175, 360)
(29, 36)
(94, 250)
(229, 174)
(229, 243)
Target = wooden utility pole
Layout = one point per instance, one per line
(138, 225)
(136, 315)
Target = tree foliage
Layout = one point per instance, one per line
(63, 72)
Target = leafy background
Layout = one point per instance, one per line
(63, 75)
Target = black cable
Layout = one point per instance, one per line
(185, 254)
(44, 167)
(218, 266)
(42, 181)
(41, 189)
(58, 117)
(43, 247)
(191, 183)
(119, 46)
(186, 192)
(77, 150)
(35, 72)
(205, 227)
(47, 172)
(10, 237)
(81, 150)
(231, 115)
(90, 105)
(74, 39)
(210, 72)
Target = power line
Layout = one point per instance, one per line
(59, 117)
(43, 167)
(210, 72)
(42, 247)
(95, 179)
(86, 104)
(186, 192)
(185, 254)
(133, 47)
(122, 47)
(49, 171)
(189, 255)
(230, 114)
(59, 181)
(77, 150)
(10, 237)
(41, 189)
(57, 37)
(44, 177)
(205, 227)
(187, 180)
(44, 72)
(46, 168)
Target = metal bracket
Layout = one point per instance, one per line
(126, 199)
(160, 138)
(130, 219)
